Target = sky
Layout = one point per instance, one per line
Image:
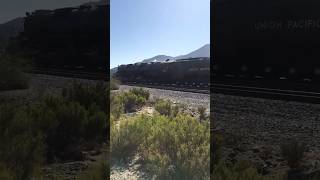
(141, 29)
(11, 9)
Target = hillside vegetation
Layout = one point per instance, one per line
(170, 143)
(57, 128)
(12, 73)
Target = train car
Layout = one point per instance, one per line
(75, 37)
(270, 40)
(183, 72)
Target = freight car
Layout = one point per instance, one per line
(267, 40)
(194, 72)
(68, 37)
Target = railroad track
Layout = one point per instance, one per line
(72, 73)
(269, 93)
(172, 88)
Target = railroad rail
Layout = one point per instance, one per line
(81, 74)
(172, 87)
(309, 96)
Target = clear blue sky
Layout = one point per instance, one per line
(142, 29)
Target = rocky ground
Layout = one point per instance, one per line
(255, 128)
(128, 171)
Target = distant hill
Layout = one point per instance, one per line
(97, 3)
(11, 29)
(203, 51)
(159, 58)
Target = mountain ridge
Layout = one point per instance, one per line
(11, 28)
(203, 51)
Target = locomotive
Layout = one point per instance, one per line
(190, 72)
(68, 38)
(266, 40)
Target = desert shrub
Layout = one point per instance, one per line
(97, 125)
(202, 113)
(12, 74)
(21, 148)
(66, 123)
(127, 137)
(178, 148)
(242, 170)
(127, 102)
(293, 151)
(88, 94)
(131, 102)
(56, 127)
(98, 172)
(175, 148)
(165, 107)
(215, 149)
(6, 174)
(140, 92)
(116, 106)
(114, 84)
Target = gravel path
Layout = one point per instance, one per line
(258, 124)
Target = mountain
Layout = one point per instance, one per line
(97, 3)
(159, 58)
(204, 51)
(11, 29)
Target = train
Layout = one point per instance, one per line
(68, 38)
(274, 41)
(185, 72)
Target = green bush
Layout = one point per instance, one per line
(293, 152)
(215, 149)
(178, 148)
(127, 102)
(175, 148)
(131, 102)
(114, 84)
(98, 172)
(165, 107)
(12, 74)
(127, 137)
(53, 128)
(21, 148)
(116, 106)
(243, 170)
(202, 113)
(140, 92)
(66, 123)
(88, 94)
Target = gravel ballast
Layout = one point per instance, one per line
(260, 126)
(188, 98)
